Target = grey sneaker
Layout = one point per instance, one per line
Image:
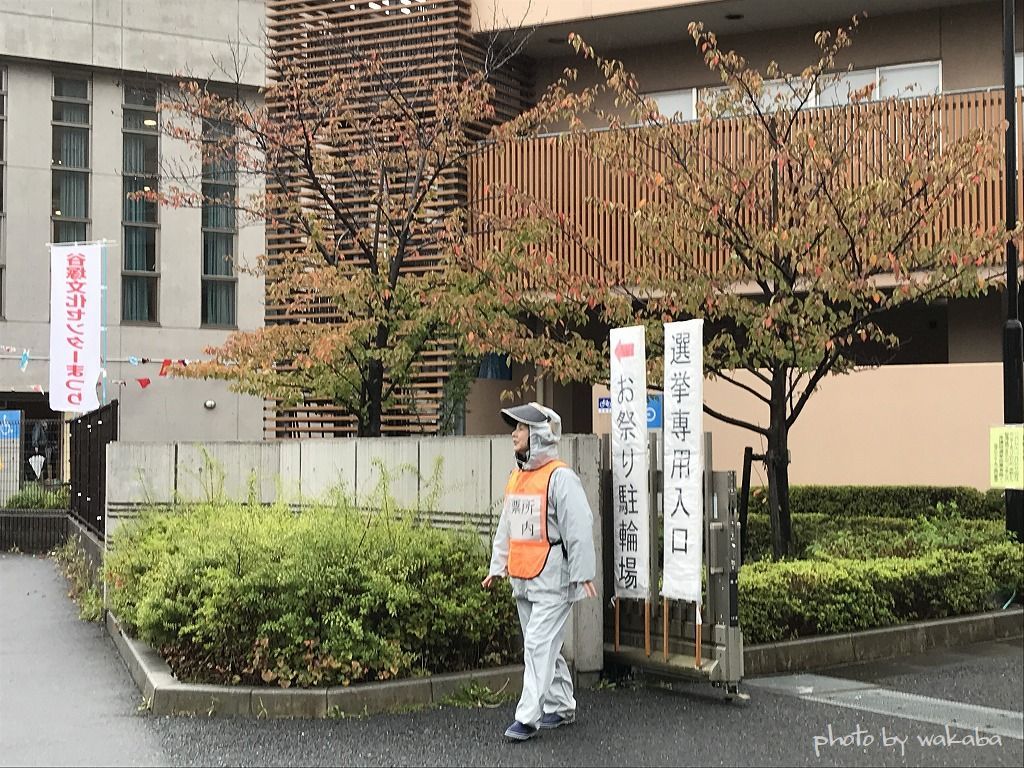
(520, 732)
(555, 720)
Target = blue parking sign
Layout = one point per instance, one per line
(10, 425)
(655, 409)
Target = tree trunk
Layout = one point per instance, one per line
(777, 466)
(374, 400)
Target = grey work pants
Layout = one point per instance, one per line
(547, 685)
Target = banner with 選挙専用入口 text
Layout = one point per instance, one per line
(75, 320)
(630, 492)
(684, 460)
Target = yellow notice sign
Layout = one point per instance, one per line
(1006, 456)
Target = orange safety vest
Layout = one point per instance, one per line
(526, 509)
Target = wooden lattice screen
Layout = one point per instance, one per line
(415, 39)
(569, 181)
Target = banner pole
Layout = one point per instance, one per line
(647, 626)
(664, 627)
(103, 319)
(616, 624)
(696, 654)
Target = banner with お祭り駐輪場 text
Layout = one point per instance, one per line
(630, 491)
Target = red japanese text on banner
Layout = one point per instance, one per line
(684, 459)
(630, 492)
(75, 318)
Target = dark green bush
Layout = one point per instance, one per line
(822, 536)
(842, 501)
(255, 595)
(784, 600)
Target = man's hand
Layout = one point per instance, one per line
(589, 589)
(489, 582)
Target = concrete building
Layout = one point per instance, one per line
(79, 131)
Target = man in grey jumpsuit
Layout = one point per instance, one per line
(544, 602)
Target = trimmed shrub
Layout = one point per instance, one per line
(821, 536)
(328, 596)
(785, 600)
(842, 501)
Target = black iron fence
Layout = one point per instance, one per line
(33, 472)
(90, 435)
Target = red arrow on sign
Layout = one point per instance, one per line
(623, 350)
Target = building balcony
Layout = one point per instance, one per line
(561, 177)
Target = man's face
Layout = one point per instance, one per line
(521, 439)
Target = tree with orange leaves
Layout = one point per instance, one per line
(359, 173)
(795, 249)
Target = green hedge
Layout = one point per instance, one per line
(784, 600)
(823, 536)
(253, 595)
(886, 500)
(35, 496)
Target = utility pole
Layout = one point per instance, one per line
(1013, 334)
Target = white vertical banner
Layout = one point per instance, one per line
(630, 491)
(684, 460)
(75, 320)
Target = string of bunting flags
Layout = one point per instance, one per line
(25, 356)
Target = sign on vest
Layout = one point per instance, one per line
(526, 514)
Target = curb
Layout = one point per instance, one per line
(165, 695)
(873, 644)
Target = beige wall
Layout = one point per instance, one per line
(920, 424)
(500, 14)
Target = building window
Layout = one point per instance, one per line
(775, 92)
(220, 189)
(139, 275)
(70, 162)
(678, 105)
(3, 181)
(903, 80)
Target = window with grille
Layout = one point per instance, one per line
(140, 274)
(72, 122)
(220, 231)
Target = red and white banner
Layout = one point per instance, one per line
(75, 319)
(630, 489)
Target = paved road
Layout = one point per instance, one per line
(66, 699)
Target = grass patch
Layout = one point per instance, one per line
(475, 694)
(84, 588)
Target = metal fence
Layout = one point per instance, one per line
(90, 435)
(32, 466)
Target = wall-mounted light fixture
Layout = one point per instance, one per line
(210, 405)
